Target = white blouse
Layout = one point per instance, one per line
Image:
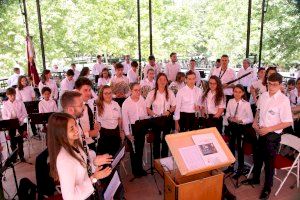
(52, 85)
(209, 104)
(47, 106)
(12, 110)
(241, 110)
(146, 82)
(160, 104)
(110, 116)
(103, 81)
(132, 76)
(26, 94)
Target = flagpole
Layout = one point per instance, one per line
(24, 12)
(41, 32)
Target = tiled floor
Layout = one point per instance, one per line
(144, 188)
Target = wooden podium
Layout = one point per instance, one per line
(203, 182)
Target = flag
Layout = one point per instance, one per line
(32, 71)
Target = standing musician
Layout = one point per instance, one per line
(239, 116)
(89, 125)
(213, 104)
(295, 104)
(225, 74)
(109, 116)
(257, 88)
(119, 82)
(161, 102)
(67, 84)
(47, 82)
(152, 65)
(187, 104)
(24, 92)
(272, 116)
(133, 111)
(69, 163)
(247, 80)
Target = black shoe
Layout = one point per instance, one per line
(265, 194)
(230, 169)
(250, 182)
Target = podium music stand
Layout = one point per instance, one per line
(6, 125)
(206, 145)
(32, 106)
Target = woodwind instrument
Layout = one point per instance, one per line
(132, 141)
(94, 120)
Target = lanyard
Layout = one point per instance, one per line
(221, 75)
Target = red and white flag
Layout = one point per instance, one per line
(32, 71)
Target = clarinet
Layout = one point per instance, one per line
(258, 118)
(94, 120)
(132, 142)
(85, 149)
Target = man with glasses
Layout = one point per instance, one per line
(272, 116)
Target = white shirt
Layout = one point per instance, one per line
(110, 116)
(103, 81)
(97, 68)
(84, 120)
(186, 99)
(274, 110)
(133, 111)
(13, 80)
(127, 66)
(12, 110)
(52, 85)
(146, 82)
(198, 77)
(66, 85)
(209, 103)
(225, 77)
(26, 94)
(259, 87)
(241, 110)
(73, 177)
(176, 86)
(171, 70)
(156, 68)
(47, 106)
(247, 80)
(76, 74)
(132, 76)
(294, 98)
(116, 79)
(160, 104)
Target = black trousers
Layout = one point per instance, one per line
(187, 122)
(161, 125)
(236, 140)
(268, 146)
(297, 127)
(211, 121)
(109, 142)
(247, 93)
(17, 141)
(139, 130)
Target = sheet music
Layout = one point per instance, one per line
(192, 157)
(167, 163)
(112, 187)
(118, 158)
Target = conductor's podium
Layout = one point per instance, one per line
(193, 173)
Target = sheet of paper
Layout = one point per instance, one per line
(167, 163)
(118, 158)
(210, 149)
(192, 157)
(112, 187)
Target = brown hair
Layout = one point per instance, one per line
(84, 71)
(241, 87)
(105, 70)
(100, 100)
(43, 76)
(68, 97)
(10, 91)
(266, 74)
(57, 138)
(219, 91)
(156, 86)
(179, 75)
(20, 86)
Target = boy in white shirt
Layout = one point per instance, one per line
(120, 83)
(132, 74)
(47, 105)
(13, 109)
(172, 68)
(68, 83)
(13, 80)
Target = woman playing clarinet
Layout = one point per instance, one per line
(161, 103)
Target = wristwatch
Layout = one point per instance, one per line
(93, 179)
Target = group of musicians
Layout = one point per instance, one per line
(91, 128)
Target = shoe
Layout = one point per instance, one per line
(250, 182)
(230, 169)
(265, 194)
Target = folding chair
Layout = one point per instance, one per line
(284, 163)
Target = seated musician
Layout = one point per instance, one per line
(46, 81)
(104, 79)
(149, 80)
(67, 84)
(24, 92)
(47, 105)
(132, 73)
(13, 109)
(179, 82)
(120, 83)
(161, 102)
(133, 111)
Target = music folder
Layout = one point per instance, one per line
(118, 157)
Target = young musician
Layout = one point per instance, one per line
(105, 78)
(12, 109)
(238, 115)
(187, 104)
(47, 82)
(98, 67)
(47, 104)
(119, 82)
(225, 74)
(272, 116)
(193, 65)
(68, 83)
(85, 72)
(76, 72)
(179, 82)
(88, 121)
(257, 87)
(247, 80)
(133, 111)
(161, 102)
(213, 104)
(13, 79)
(152, 65)
(291, 85)
(126, 64)
(172, 68)
(149, 80)
(69, 163)
(24, 92)
(132, 73)
(295, 104)
(109, 116)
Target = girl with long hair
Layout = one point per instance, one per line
(213, 104)
(68, 161)
(85, 72)
(161, 102)
(47, 81)
(104, 79)
(109, 116)
(24, 92)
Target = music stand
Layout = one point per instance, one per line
(7, 164)
(6, 125)
(32, 106)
